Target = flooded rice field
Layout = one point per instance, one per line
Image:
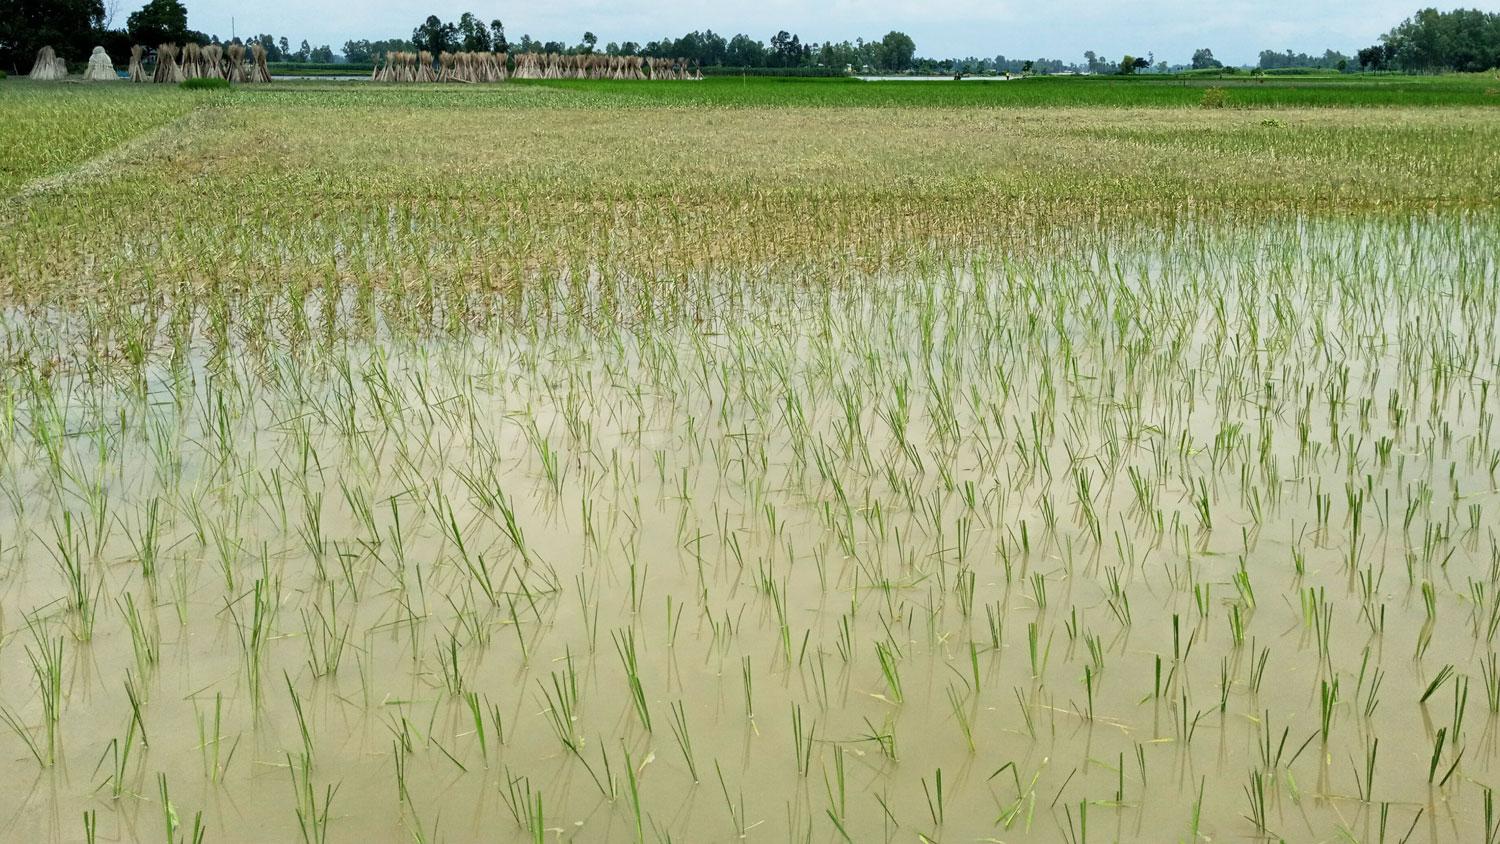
(1176, 539)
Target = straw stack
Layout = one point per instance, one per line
(192, 61)
(101, 69)
(258, 70)
(167, 69)
(213, 61)
(234, 64)
(48, 67)
(136, 72)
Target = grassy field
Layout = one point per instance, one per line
(776, 460)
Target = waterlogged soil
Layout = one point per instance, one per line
(1182, 540)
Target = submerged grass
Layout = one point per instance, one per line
(1143, 458)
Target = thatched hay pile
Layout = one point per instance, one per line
(258, 70)
(101, 69)
(48, 67)
(137, 73)
(167, 69)
(234, 64)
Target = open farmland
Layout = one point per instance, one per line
(811, 461)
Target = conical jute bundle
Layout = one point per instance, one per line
(101, 69)
(167, 69)
(137, 73)
(234, 65)
(424, 67)
(446, 63)
(192, 65)
(395, 67)
(48, 67)
(491, 67)
(553, 70)
(258, 70)
(384, 71)
(213, 61)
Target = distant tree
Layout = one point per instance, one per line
(1203, 59)
(435, 36)
(497, 37)
(284, 49)
(1093, 61)
(268, 43)
(1372, 58)
(473, 35)
(782, 47)
(358, 51)
(590, 41)
(364, 52)
(322, 54)
(1463, 40)
(1272, 60)
(158, 22)
(29, 25)
(898, 50)
(744, 51)
(304, 52)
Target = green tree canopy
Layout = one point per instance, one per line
(66, 26)
(1203, 58)
(159, 22)
(1430, 40)
(897, 50)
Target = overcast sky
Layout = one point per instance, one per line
(1236, 30)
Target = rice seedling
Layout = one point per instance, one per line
(1143, 464)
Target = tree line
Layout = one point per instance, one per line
(1429, 41)
(896, 51)
(74, 27)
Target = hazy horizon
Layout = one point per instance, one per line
(1236, 30)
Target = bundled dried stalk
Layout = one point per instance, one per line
(101, 69)
(213, 61)
(424, 68)
(48, 67)
(137, 73)
(167, 69)
(192, 61)
(234, 66)
(258, 70)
